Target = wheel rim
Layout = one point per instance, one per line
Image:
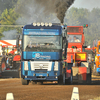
(3, 66)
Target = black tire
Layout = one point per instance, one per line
(24, 82)
(64, 79)
(60, 80)
(69, 81)
(39, 83)
(89, 77)
(33, 82)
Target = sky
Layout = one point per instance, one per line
(89, 4)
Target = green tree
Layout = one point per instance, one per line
(79, 17)
(72, 17)
(8, 17)
(76, 16)
(7, 4)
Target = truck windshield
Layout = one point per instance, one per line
(42, 43)
(74, 38)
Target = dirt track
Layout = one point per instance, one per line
(47, 91)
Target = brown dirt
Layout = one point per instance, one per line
(47, 91)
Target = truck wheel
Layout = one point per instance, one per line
(60, 80)
(89, 77)
(71, 78)
(39, 83)
(69, 81)
(33, 83)
(64, 80)
(24, 82)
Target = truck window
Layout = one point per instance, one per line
(74, 38)
(41, 43)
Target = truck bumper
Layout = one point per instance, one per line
(40, 78)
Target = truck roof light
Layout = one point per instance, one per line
(38, 24)
(42, 24)
(46, 24)
(50, 24)
(34, 24)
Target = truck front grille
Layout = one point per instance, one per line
(37, 65)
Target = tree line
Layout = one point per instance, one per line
(81, 16)
(74, 17)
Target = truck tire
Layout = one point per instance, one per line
(33, 82)
(64, 79)
(24, 82)
(89, 77)
(71, 78)
(60, 80)
(69, 81)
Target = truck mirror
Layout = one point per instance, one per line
(17, 41)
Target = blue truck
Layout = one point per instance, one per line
(43, 45)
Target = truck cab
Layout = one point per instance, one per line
(42, 47)
(75, 37)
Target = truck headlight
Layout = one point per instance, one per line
(56, 66)
(26, 65)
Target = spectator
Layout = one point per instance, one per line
(76, 39)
